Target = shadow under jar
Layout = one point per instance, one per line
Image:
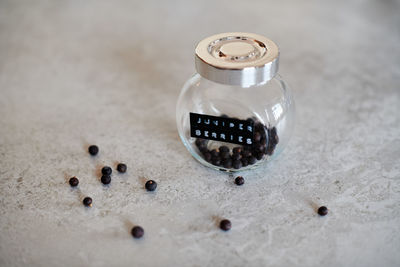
(236, 112)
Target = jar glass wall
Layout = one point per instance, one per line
(269, 105)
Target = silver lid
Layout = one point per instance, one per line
(237, 58)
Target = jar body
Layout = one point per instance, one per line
(269, 106)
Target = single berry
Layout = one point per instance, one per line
(93, 150)
(202, 145)
(259, 155)
(322, 210)
(151, 185)
(121, 167)
(259, 148)
(257, 137)
(246, 153)
(224, 155)
(201, 142)
(74, 181)
(250, 120)
(270, 150)
(216, 161)
(207, 156)
(263, 141)
(87, 201)
(237, 164)
(214, 153)
(237, 150)
(225, 225)
(137, 232)
(251, 160)
(227, 163)
(223, 149)
(275, 139)
(264, 133)
(273, 131)
(236, 156)
(258, 126)
(106, 170)
(239, 180)
(106, 179)
(244, 162)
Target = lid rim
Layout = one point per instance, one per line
(245, 77)
(259, 64)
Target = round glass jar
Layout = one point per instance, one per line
(236, 112)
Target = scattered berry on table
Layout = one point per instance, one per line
(106, 179)
(93, 150)
(87, 201)
(106, 170)
(225, 225)
(151, 185)
(239, 180)
(121, 167)
(322, 210)
(137, 232)
(73, 181)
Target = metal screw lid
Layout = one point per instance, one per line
(237, 58)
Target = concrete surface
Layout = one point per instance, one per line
(74, 73)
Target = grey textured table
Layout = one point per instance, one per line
(74, 73)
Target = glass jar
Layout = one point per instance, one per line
(236, 112)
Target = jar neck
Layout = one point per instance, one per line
(243, 85)
(246, 77)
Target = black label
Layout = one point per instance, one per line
(222, 129)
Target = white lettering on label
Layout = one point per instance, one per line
(223, 129)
